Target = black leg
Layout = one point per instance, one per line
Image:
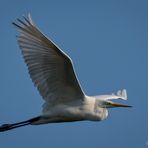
(6, 127)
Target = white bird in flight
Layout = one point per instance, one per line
(52, 72)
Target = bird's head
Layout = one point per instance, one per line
(105, 101)
(111, 104)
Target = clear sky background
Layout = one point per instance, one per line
(108, 42)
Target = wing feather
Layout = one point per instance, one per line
(50, 68)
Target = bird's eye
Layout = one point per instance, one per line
(108, 103)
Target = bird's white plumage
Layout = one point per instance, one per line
(52, 72)
(121, 94)
(49, 67)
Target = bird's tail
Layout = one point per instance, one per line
(6, 127)
(122, 94)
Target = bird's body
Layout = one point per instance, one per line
(52, 72)
(74, 111)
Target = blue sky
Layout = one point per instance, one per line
(108, 42)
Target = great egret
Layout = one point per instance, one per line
(52, 72)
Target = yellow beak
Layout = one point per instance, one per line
(119, 105)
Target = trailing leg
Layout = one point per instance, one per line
(6, 127)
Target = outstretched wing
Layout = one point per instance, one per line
(49, 67)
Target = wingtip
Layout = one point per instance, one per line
(122, 93)
(30, 18)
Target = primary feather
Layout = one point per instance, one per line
(49, 67)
